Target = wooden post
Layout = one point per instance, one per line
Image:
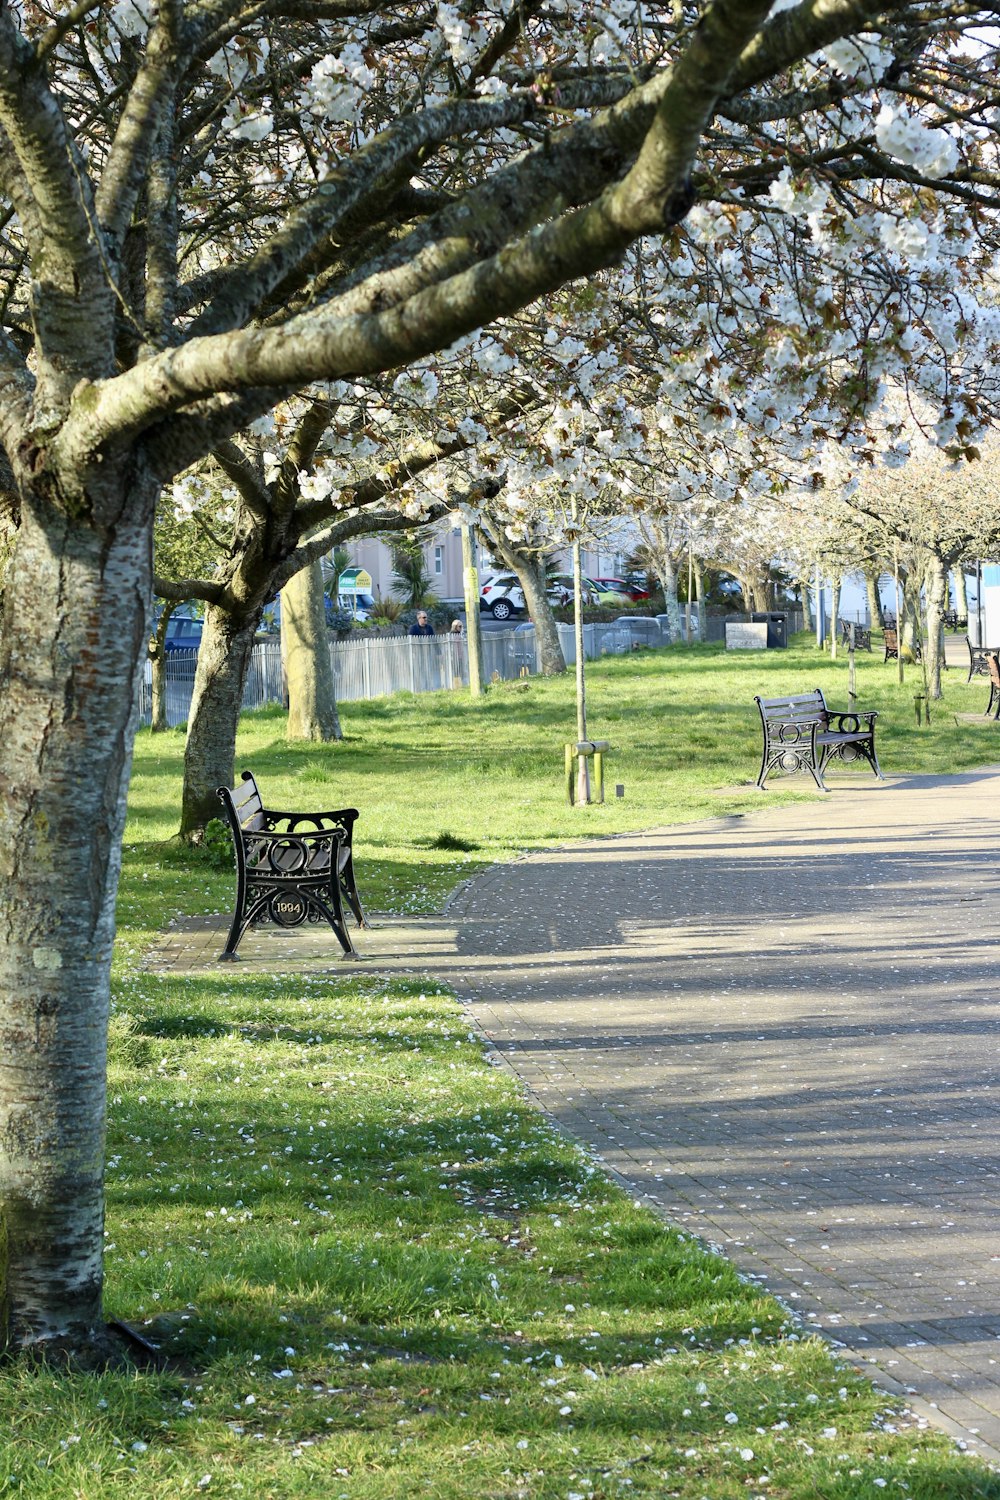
(473, 626)
(569, 774)
(583, 772)
(599, 768)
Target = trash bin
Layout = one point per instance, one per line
(777, 626)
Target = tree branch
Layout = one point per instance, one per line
(253, 491)
(140, 123)
(246, 286)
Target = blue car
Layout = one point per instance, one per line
(183, 633)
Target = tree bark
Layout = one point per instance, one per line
(807, 616)
(551, 662)
(158, 668)
(936, 597)
(910, 637)
(312, 698)
(67, 724)
(666, 571)
(210, 750)
(875, 611)
(834, 612)
(699, 593)
(961, 597)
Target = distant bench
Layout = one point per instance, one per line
(862, 635)
(891, 638)
(801, 734)
(291, 867)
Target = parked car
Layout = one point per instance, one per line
(608, 597)
(502, 596)
(634, 591)
(183, 633)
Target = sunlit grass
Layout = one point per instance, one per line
(376, 1272)
(440, 768)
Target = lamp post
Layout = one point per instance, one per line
(473, 628)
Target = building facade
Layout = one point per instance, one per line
(443, 562)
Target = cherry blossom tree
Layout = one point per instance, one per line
(938, 510)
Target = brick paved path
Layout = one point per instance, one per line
(783, 1031)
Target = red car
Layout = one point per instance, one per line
(634, 590)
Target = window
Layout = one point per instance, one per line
(439, 560)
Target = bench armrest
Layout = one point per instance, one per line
(343, 817)
(311, 836)
(857, 715)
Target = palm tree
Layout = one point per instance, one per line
(410, 577)
(336, 562)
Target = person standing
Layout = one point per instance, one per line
(421, 625)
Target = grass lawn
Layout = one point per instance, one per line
(375, 1271)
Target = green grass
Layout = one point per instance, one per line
(376, 1271)
(433, 770)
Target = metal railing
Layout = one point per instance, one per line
(379, 666)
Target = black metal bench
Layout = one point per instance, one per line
(954, 621)
(291, 867)
(993, 670)
(862, 635)
(801, 734)
(978, 665)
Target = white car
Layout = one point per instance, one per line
(502, 596)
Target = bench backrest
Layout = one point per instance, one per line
(243, 806)
(797, 708)
(993, 663)
(891, 643)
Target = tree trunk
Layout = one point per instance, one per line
(209, 753)
(936, 598)
(807, 614)
(876, 615)
(312, 698)
(834, 612)
(755, 593)
(158, 668)
(530, 571)
(67, 725)
(551, 662)
(666, 572)
(961, 597)
(699, 593)
(911, 614)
